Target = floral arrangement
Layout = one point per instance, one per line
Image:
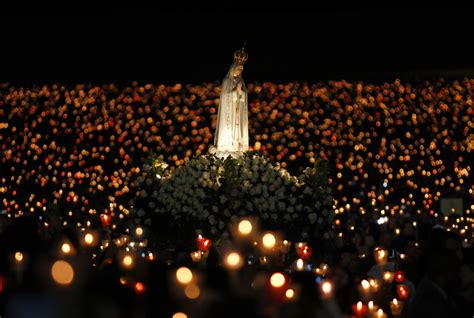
(208, 192)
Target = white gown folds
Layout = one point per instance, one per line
(232, 131)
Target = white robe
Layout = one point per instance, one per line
(232, 136)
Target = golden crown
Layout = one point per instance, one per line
(240, 56)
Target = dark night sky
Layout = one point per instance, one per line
(189, 45)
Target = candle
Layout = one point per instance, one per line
(277, 280)
(364, 289)
(245, 227)
(388, 277)
(105, 219)
(396, 307)
(380, 314)
(371, 308)
(299, 264)
(326, 289)
(233, 261)
(184, 275)
(304, 251)
(196, 256)
(269, 241)
(374, 285)
(203, 244)
(285, 246)
(359, 310)
(403, 292)
(381, 256)
(399, 277)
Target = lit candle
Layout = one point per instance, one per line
(396, 307)
(285, 246)
(203, 244)
(304, 251)
(245, 227)
(105, 219)
(184, 275)
(299, 264)
(233, 261)
(268, 241)
(371, 308)
(403, 292)
(364, 289)
(196, 256)
(326, 289)
(381, 256)
(277, 280)
(399, 277)
(374, 285)
(127, 261)
(380, 314)
(388, 277)
(359, 310)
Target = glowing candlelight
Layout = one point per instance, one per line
(269, 240)
(277, 280)
(381, 256)
(19, 257)
(365, 285)
(233, 261)
(89, 239)
(326, 289)
(184, 275)
(105, 219)
(388, 277)
(203, 244)
(66, 248)
(192, 291)
(372, 308)
(403, 292)
(399, 277)
(304, 251)
(285, 246)
(359, 310)
(245, 227)
(396, 307)
(374, 285)
(196, 256)
(380, 314)
(139, 287)
(62, 272)
(127, 261)
(290, 293)
(299, 264)
(139, 231)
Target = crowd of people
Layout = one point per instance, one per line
(71, 154)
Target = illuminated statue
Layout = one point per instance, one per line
(232, 130)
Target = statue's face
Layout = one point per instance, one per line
(238, 70)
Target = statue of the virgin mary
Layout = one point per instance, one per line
(232, 131)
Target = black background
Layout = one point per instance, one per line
(196, 44)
